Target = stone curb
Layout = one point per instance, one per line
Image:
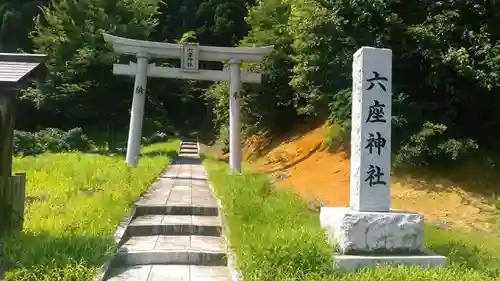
(120, 238)
(231, 257)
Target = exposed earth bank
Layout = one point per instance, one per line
(448, 199)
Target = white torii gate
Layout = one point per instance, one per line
(190, 54)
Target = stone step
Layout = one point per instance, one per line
(169, 199)
(181, 250)
(189, 151)
(170, 273)
(186, 176)
(191, 145)
(173, 210)
(191, 156)
(194, 145)
(174, 225)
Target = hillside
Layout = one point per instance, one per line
(298, 162)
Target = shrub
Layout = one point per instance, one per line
(429, 145)
(25, 143)
(51, 140)
(224, 138)
(77, 140)
(338, 136)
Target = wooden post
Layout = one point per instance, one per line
(12, 188)
(19, 199)
(12, 200)
(7, 115)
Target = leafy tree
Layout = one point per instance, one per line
(445, 60)
(221, 22)
(79, 84)
(270, 105)
(208, 22)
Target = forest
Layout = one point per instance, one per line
(446, 65)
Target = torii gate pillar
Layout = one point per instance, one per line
(234, 116)
(137, 112)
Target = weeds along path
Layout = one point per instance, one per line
(74, 203)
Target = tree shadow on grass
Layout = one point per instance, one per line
(163, 152)
(105, 152)
(149, 154)
(30, 256)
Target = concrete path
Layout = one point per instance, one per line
(175, 233)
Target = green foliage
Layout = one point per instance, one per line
(446, 60)
(208, 22)
(79, 83)
(275, 237)
(74, 203)
(338, 136)
(156, 138)
(189, 36)
(218, 95)
(212, 22)
(429, 144)
(269, 106)
(221, 22)
(51, 140)
(340, 106)
(445, 63)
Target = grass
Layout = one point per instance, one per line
(75, 202)
(275, 237)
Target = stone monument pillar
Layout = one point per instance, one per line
(369, 232)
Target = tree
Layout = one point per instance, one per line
(80, 86)
(269, 106)
(208, 22)
(445, 60)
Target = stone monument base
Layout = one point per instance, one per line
(369, 238)
(353, 262)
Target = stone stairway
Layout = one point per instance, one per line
(175, 232)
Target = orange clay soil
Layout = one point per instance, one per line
(300, 163)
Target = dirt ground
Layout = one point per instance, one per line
(300, 163)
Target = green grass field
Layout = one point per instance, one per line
(276, 238)
(75, 202)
